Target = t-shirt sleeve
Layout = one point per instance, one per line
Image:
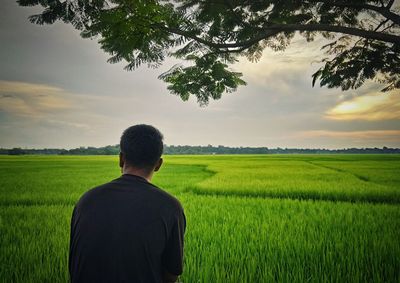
(173, 253)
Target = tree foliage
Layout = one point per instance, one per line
(209, 35)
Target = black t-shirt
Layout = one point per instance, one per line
(127, 230)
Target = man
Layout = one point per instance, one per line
(128, 230)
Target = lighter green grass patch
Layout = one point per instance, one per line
(62, 180)
(304, 178)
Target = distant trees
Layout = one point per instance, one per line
(16, 151)
(106, 150)
(363, 35)
(20, 151)
(209, 149)
(186, 149)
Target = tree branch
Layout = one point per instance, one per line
(384, 11)
(247, 43)
(278, 28)
(339, 29)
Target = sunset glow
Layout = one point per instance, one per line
(380, 106)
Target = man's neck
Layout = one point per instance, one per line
(138, 172)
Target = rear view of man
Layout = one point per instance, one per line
(128, 230)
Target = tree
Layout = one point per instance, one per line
(208, 35)
(16, 151)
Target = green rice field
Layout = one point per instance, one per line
(250, 218)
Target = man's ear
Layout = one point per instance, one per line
(121, 160)
(158, 165)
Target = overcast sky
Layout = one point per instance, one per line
(57, 90)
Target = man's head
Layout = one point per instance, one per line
(141, 148)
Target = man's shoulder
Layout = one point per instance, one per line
(128, 184)
(166, 197)
(94, 192)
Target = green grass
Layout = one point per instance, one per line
(34, 243)
(62, 180)
(369, 178)
(231, 239)
(273, 218)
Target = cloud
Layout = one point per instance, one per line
(32, 100)
(374, 106)
(283, 71)
(355, 136)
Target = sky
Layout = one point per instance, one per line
(58, 91)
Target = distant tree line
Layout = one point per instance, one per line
(209, 149)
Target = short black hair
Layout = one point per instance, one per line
(142, 146)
